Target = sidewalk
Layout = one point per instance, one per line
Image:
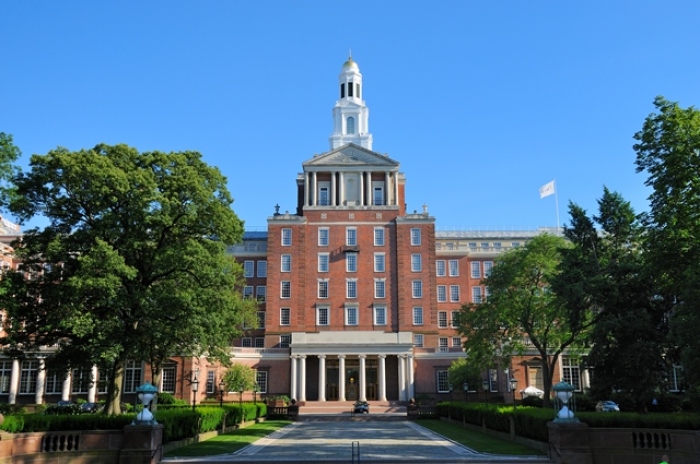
(361, 440)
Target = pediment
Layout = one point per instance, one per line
(350, 155)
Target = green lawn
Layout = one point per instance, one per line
(475, 440)
(230, 442)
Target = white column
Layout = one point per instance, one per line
(92, 391)
(402, 378)
(333, 187)
(363, 378)
(382, 377)
(322, 377)
(411, 383)
(40, 382)
(387, 189)
(369, 193)
(307, 188)
(14, 382)
(302, 379)
(314, 191)
(341, 377)
(396, 188)
(341, 188)
(65, 387)
(362, 189)
(293, 379)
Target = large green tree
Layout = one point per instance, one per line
(133, 263)
(9, 154)
(605, 272)
(522, 311)
(668, 152)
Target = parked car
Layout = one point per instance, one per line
(361, 407)
(90, 407)
(607, 406)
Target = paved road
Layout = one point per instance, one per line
(374, 441)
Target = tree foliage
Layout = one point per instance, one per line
(605, 272)
(239, 378)
(133, 263)
(668, 151)
(9, 154)
(522, 311)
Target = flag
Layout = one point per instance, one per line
(547, 189)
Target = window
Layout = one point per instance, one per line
(475, 269)
(323, 199)
(443, 384)
(418, 340)
(53, 384)
(571, 371)
(247, 292)
(323, 288)
(322, 316)
(248, 269)
(442, 319)
(380, 315)
(259, 342)
(261, 319)
(351, 288)
(262, 268)
(246, 342)
(515, 244)
(132, 376)
(323, 260)
(416, 263)
(442, 293)
(456, 342)
(442, 345)
(417, 316)
(379, 262)
(675, 379)
(379, 236)
(440, 268)
(417, 287)
(378, 196)
(497, 246)
(379, 288)
(351, 236)
(286, 263)
(323, 236)
(27, 377)
(350, 124)
(261, 292)
(455, 319)
(81, 379)
(485, 246)
(454, 293)
(488, 266)
(285, 316)
(261, 380)
(351, 262)
(476, 294)
(472, 246)
(493, 380)
(285, 289)
(168, 379)
(351, 315)
(211, 378)
(415, 237)
(285, 340)
(286, 237)
(454, 267)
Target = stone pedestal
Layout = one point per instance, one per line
(569, 443)
(143, 444)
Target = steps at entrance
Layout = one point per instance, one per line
(344, 407)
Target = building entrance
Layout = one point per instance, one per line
(352, 380)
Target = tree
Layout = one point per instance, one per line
(520, 307)
(239, 378)
(668, 151)
(9, 154)
(606, 273)
(132, 265)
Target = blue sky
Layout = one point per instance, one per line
(481, 102)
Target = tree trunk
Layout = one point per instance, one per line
(114, 391)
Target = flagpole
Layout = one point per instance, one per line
(556, 202)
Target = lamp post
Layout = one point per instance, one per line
(485, 385)
(465, 387)
(513, 387)
(195, 389)
(255, 393)
(222, 386)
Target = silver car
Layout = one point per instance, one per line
(607, 406)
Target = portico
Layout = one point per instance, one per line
(352, 366)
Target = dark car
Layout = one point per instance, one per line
(607, 406)
(361, 407)
(90, 407)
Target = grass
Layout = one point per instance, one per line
(230, 442)
(478, 441)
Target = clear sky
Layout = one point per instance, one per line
(481, 102)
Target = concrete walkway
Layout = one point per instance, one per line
(357, 441)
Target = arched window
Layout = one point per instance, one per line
(350, 125)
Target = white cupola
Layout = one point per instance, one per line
(350, 114)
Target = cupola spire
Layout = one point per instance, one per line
(350, 114)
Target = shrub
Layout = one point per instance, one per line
(169, 399)
(532, 401)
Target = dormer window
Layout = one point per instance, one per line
(350, 125)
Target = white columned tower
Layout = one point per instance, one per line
(350, 114)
